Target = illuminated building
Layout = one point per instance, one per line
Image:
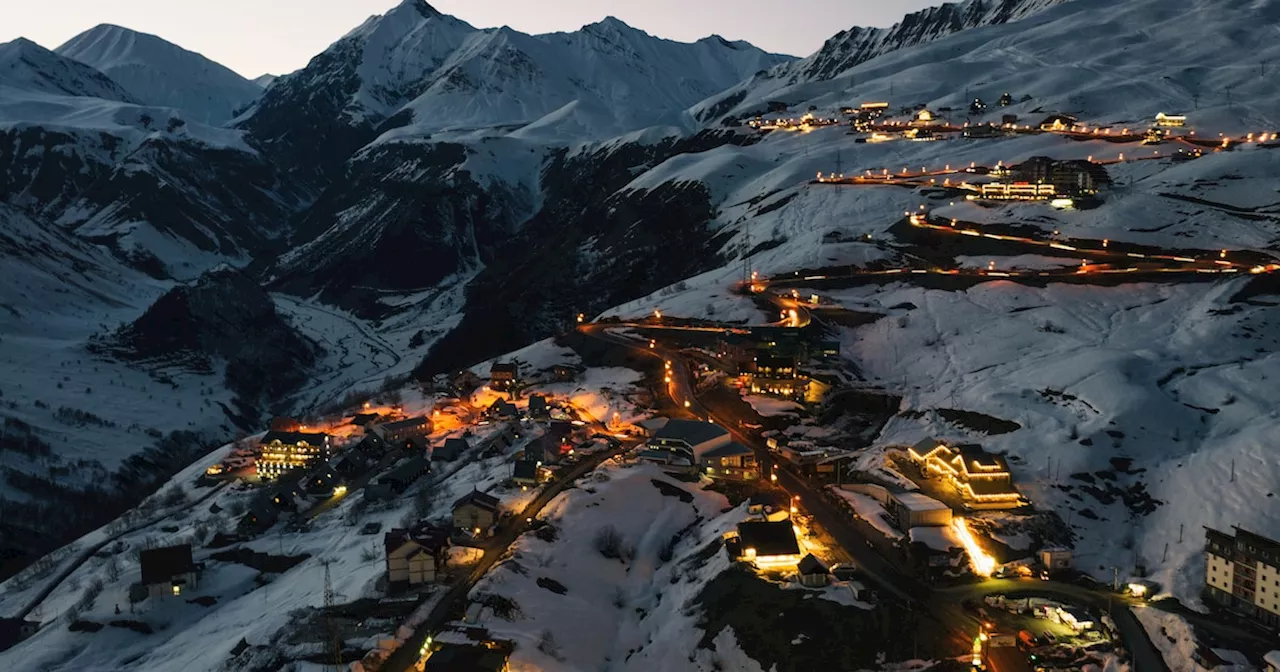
(1170, 120)
(767, 545)
(1242, 573)
(730, 461)
(1016, 191)
(281, 452)
(982, 478)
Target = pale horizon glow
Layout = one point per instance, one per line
(279, 36)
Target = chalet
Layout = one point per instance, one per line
(730, 461)
(769, 505)
(464, 382)
(400, 430)
(169, 570)
(1058, 122)
(766, 544)
(476, 513)
(370, 445)
(1005, 100)
(502, 409)
(689, 438)
(281, 452)
(415, 556)
(415, 445)
(813, 572)
(1170, 120)
(260, 516)
(914, 509)
(566, 373)
(395, 481)
(924, 117)
(502, 376)
(525, 472)
(322, 481)
(538, 409)
(982, 478)
(350, 464)
(452, 449)
(15, 630)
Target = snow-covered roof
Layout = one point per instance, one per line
(693, 432)
(915, 501)
(727, 450)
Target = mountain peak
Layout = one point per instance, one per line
(611, 24)
(31, 67)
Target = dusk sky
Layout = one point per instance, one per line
(254, 37)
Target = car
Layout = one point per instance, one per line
(1044, 575)
(371, 528)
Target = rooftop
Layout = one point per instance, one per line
(730, 449)
(160, 565)
(479, 499)
(769, 538)
(915, 501)
(407, 423)
(313, 439)
(692, 432)
(810, 564)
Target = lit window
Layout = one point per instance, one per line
(177, 590)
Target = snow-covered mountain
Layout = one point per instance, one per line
(265, 80)
(415, 71)
(160, 73)
(27, 66)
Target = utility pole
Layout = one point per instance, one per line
(1180, 526)
(1166, 553)
(1233, 470)
(839, 164)
(331, 629)
(746, 254)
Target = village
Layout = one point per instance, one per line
(453, 480)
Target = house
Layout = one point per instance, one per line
(1058, 122)
(730, 461)
(15, 630)
(395, 481)
(688, 438)
(768, 544)
(260, 516)
(464, 382)
(168, 570)
(476, 512)
(281, 452)
(924, 117)
(525, 472)
(914, 509)
(859, 591)
(322, 481)
(350, 464)
(371, 445)
(400, 430)
(981, 478)
(502, 409)
(982, 131)
(769, 505)
(1055, 558)
(1075, 618)
(467, 658)
(415, 556)
(777, 374)
(813, 572)
(1170, 120)
(566, 373)
(1005, 100)
(502, 376)
(451, 449)
(415, 445)
(1242, 574)
(1008, 119)
(538, 409)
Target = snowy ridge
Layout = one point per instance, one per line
(160, 73)
(27, 66)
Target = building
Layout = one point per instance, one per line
(467, 658)
(451, 449)
(395, 481)
(982, 131)
(464, 382)
(401, 430)
(15, 630)
(1016, 191)
(1242, 573)
(502, 376)
(730, 461)
(169, 570)
(769, 505)
(690, 439)
(1058, 122)
(914, 509)
(981, 478)
(565, 373)
(769, 545)
(322, 481)
(415, 556)
(501, 409)
(1055, 558)
(1076, 618)
(813, 572)
(525, 472)
(476, 513)
(1008, 119)
(778, 374)
(925, 118)
(260, 516)
(281, 452)
(1170, 120)
(538, 409)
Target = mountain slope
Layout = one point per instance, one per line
(857, 45)
(160, 73)
(27, 66)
